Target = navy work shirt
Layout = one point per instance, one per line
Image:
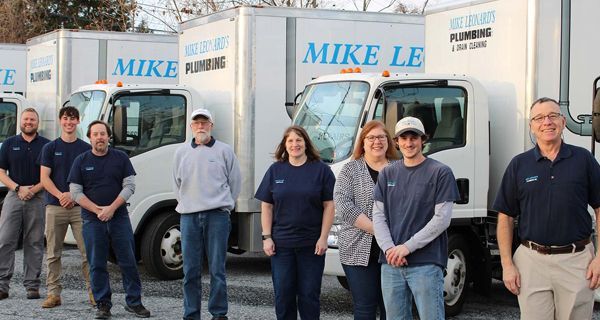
(20, 159)
(101, 176)
(297, 195)
(551, 198)
(59, 155)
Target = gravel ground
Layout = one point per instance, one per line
(250, 295)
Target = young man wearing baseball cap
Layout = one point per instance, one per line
(412, 210)
(206, 182)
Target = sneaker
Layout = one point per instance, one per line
(3, 295)
(51, 301)
(103, 312)
(33, 294)
(139, 311)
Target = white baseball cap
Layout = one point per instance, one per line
(202, 112)
(409, 124)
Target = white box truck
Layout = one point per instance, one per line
(243, 64)
(60, 61)
(487, 61)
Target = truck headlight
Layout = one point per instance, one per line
(332, 239)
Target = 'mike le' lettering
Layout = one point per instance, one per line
(145, 68)
(358, 54)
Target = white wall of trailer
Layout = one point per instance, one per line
(63, 60)
(12, 67)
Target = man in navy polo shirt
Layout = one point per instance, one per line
(101, 181)
(411, 212)
(61, 210)
(23, 205)
(549, 188)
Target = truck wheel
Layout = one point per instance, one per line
(343, 282)
(456, 278)
(161, 247)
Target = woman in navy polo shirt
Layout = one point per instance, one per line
(297, 213)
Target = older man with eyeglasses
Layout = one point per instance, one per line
(548, 188)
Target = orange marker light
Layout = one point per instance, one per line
(119, 84)
(357, 70)
(349, 70)
(385, 73)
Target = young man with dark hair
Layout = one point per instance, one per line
(61, 210)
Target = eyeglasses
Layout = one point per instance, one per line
(382, 137)
(553, 116)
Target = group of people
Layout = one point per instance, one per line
(87, 187)
(394, 211)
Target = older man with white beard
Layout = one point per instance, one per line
(101, 181)
(23, 205)
(206, 182)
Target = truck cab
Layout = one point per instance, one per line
(453, 109)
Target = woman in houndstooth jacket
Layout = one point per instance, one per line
(353, 197)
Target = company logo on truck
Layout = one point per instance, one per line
(360, 54)
(206, 46)
(478, 29)
(145, 68)
(45, 62)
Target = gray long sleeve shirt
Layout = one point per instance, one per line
(205, 177)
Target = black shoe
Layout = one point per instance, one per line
(219, 318)
(139, 311)
(33, 294)
(103, 312)
(3, 295)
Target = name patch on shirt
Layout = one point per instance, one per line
(531, 179)
(16, 148)
(279, 181)
(58, 153)
(89, 168)
(391, 183)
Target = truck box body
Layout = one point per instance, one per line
(12, 67)
(247, 62)
(490, 60)
(63, 60)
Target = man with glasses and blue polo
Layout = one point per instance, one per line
(554, 271)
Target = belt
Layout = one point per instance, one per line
(570, 248)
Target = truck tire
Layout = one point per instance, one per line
(161, 247)
(456, 279)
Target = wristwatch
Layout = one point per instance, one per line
(266, 236)
(17, 188)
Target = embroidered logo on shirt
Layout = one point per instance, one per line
(391, 183)
(89, 168)
(16, 148)
(531, 179)
(58, 153)
(279, 181)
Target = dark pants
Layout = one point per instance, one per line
(98, 236)
(365, 285)
(297, 274)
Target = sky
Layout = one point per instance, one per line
(158, 17)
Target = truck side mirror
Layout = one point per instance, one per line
(596, 116)
(292, 107)
(119, 124)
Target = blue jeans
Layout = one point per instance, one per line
(98, 236)
(297, 275)
(205, 232)
(424, 282)
(365, 286)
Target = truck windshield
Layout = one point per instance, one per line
(8, 120)
(330, 113)
(89, 104)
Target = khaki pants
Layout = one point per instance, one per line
(58, 220)
(554, 286)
